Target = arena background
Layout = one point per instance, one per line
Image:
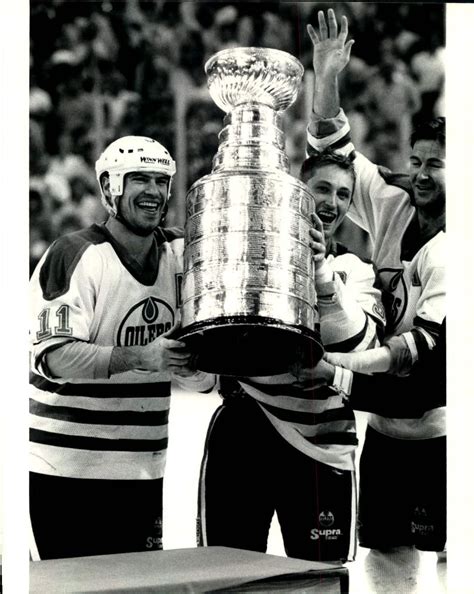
(103, 69)
(72, 62)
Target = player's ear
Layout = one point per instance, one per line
(105, 184)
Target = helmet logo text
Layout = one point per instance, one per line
(155, 160)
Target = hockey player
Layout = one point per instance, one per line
(403, 463)
(276, 443)
(104, 305)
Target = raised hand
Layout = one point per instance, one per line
(331, 52)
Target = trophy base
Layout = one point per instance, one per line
(248, 346)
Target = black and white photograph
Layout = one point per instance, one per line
(235, 268)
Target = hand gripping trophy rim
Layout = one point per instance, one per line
(253, 74)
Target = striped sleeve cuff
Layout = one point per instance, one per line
(410, 340)
(342, 382)
(324, 133)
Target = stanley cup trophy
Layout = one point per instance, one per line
(248, 296)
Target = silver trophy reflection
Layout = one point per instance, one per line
(248, 297)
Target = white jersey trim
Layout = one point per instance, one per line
(97, 465)
(136, 404)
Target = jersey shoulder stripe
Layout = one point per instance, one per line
(62, 258)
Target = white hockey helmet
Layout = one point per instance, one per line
(127, 154)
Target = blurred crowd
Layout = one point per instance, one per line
(104, 69)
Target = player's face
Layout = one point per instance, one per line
(427, 174)
(332, 189)
(143, 200)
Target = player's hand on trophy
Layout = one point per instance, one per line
(331, 51)
(317, 376)
(376, 360)
(167, 354)
(317, 242)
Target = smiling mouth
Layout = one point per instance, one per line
(326, 217)
(149, 206)
(423, 192)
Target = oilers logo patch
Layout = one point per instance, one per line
(144, 322)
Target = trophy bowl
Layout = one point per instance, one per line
(253, 74)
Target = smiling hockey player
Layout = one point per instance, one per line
(104, 307)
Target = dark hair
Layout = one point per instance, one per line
(328, 157)
(430, 130)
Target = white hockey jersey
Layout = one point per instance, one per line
(411, 277)
(86, 288)
(317, 420)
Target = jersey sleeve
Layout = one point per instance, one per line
(431, 304)
(63, 291)
(350, 308)
(376, 191)
(405, 397)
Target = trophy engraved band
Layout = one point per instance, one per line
(248, 297)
